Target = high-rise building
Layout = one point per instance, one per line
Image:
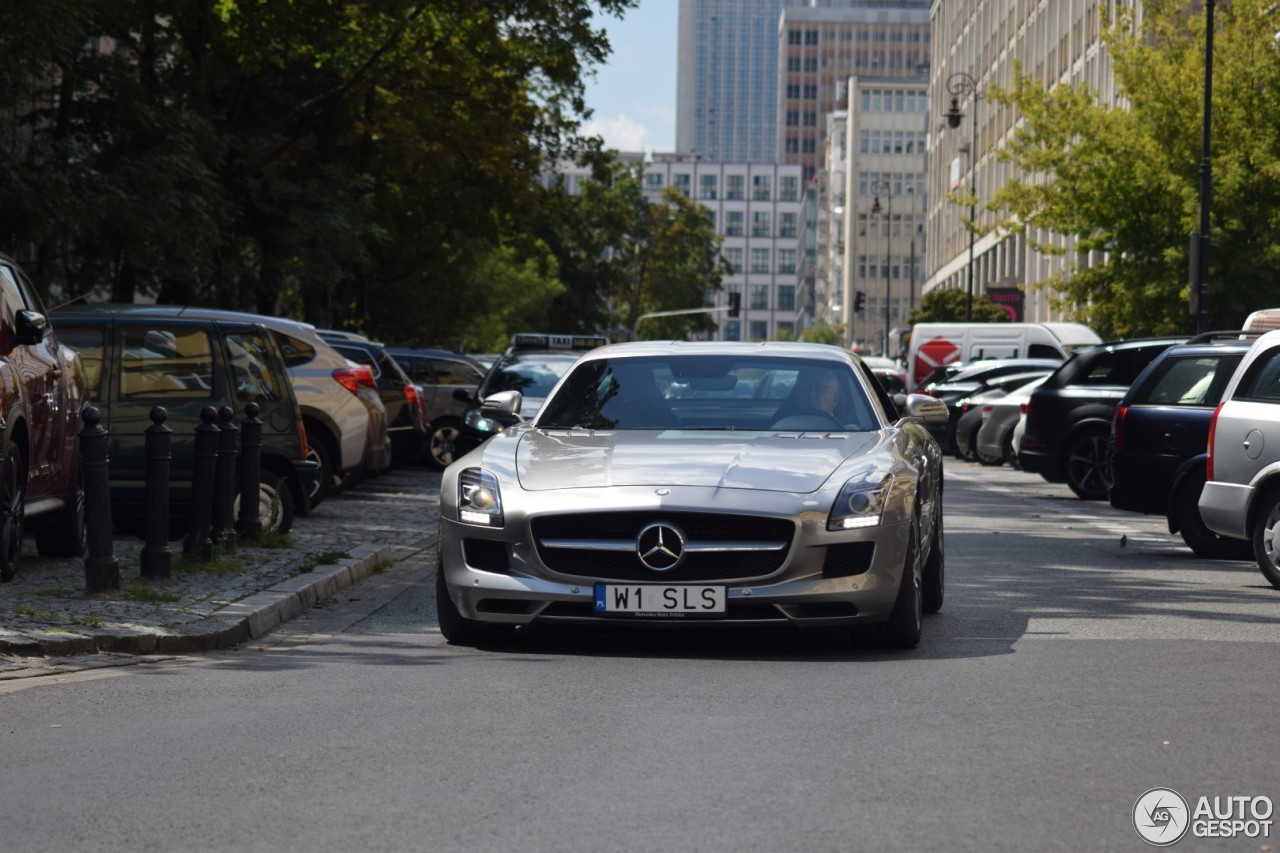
(977, 42)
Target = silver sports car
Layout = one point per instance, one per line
(740, 483)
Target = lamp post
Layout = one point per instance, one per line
(961, 85)
(878, 188)
(1200, 288)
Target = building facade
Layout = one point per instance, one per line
(1058, 42)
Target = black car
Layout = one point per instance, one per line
(1160, 434)
(438, 373)
(136, 359)
(976, 377)
(1069, 416)
(532, 365)
(406, 416)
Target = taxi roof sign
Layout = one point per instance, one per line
(541, 340)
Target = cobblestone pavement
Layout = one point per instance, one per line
(45, 611)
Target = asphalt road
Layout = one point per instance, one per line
(1083, 657)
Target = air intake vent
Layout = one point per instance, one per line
(848, 559)
(487, 555)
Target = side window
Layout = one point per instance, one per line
(360, 356)
(1182, 382)
(419, 369)
(251, 364)
(1263, 379)
(1043, 351)
(1102, 370)
(456, 373)
(296, 352)
(10, 304)
(90, 343)
(160, 362)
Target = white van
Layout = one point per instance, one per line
(937, 344)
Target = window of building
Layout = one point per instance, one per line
(793, 63)
(735, 187)
(683, 183)
(708, 185)
(790, 190)
(809, 146)
(810, 119)
(811, 91)
(786, 225)
(760, 188)
(653, 180)
(733, 255)
(758, 330)
(786, 296)
(733, 223)
(810, 37)
(759, 265)
(786, 263)
(793, 90)
(759, 296)
(793, 37)
(793, 146)
(733, 330)
(811, 63)
(760, 224)
(793, 119)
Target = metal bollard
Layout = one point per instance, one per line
(224, 479)
(157, 558)
(198, 545)
(101, 568)
(249, 522)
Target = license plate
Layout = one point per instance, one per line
(655, 600)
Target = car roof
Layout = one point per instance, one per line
(122, 309)
(769, 349)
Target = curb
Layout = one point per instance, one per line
(247, 619)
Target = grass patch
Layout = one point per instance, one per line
(57, 631)
(90, 621)
(329, 558)
(381, 566)
(32, 612)
(54, 593)
(142, 592)
(219, 565)
(273, 539)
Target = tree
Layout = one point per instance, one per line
(1124, 180)
(947, 306)
(824, 333)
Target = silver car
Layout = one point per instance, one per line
(1241, 496)
(738, 483)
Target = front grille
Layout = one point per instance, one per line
(622, 528)
(848, 559)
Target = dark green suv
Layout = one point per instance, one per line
(136, 360)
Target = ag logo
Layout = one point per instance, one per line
(1161, 816)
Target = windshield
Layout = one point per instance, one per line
(710, 393)
(532, 374)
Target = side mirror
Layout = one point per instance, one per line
(502, 404)
(462, 395)
(29, 327)
(922, 407)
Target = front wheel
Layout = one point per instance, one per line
(1084, 462)
(905, 624)
(275, 503)
(442, 444)
(1200, 539)
(13, 509)
(935, 569)
(1266, 536)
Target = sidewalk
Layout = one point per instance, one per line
(44, 611)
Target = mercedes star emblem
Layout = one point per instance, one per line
(660, 546)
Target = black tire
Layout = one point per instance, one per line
(442, 444)
(935, 568)
(1084, 461)
(13, 510)
(969, 451)
(326, 476)
(986, 460)
(1265, 535)
(1200, 539)
(458, 630)
(63, 533)
(903, 628)
(275, 505)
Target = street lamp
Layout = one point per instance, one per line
(961, 85)
(878, 188)
(1200, 287)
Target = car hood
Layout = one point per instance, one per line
(769, 461)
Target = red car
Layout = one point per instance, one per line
(42, 390)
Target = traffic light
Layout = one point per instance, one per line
(859, 302)
(735, 303)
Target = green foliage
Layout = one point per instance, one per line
(824, 333)
(947, 306)
(1125, 181)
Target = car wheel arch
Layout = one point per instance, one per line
(1188, 469)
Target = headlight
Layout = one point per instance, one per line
(861, 501)
(479, 501)
(476, 421)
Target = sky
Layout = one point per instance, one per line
(633, 94)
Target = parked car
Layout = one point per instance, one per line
(138, 357)
(998, 433)
(627, 498)
(1159, 438)
(437, 374)
(979, 376)
(1241, 496)
(43, 388)
(532, 365)
(405, 412)
(1069, 416)
(972, 408)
